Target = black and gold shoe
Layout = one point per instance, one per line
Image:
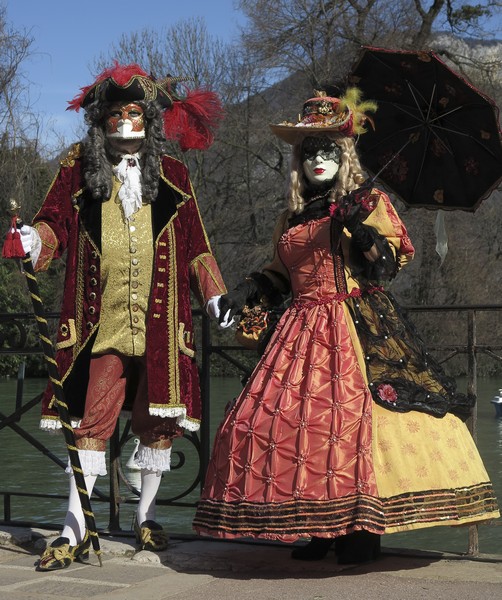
(150, 536)
(60, 555)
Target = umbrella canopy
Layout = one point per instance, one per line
(436, 142)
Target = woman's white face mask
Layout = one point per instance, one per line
(321, 159)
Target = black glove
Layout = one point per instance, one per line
(234, 301)
(257, 288)
(363, 236)
(355, 207)
(384, 268)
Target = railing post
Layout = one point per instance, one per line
(205, 388)
(20, 385)
(472, 388)
(6, 508)
(114, 515)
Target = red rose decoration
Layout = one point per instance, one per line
(387, 393)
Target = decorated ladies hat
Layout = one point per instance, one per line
(328, 114)
(190, 120)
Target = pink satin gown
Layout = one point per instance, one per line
(295, 457)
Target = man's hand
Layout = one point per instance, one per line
(31, 242)
(214, 311)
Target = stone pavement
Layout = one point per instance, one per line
(203, 569)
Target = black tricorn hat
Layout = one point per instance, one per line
(125, 83)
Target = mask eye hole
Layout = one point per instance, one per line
(320, 146)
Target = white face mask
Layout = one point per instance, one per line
(321, 159)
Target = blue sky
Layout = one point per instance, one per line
(68, 36)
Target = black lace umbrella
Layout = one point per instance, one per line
(436, 142)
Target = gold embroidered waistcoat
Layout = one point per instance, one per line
(126, 275)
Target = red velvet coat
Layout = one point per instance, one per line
(70, 219)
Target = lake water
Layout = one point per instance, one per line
(23, 468)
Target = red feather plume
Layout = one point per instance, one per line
(193, 120)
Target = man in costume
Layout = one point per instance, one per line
(126, 214)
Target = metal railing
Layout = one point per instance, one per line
(18, 337)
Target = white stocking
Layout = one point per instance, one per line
(150, 483)
(74, 524)
(93, 464)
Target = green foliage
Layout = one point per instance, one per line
(468, 14)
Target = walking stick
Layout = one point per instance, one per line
(16, 251)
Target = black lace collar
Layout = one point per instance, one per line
(317, 208)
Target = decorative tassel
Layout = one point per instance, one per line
(13, 248)
(192, 120)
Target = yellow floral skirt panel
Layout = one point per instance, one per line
(428, 471)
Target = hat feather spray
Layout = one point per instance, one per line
(351, 100)
(192, 121)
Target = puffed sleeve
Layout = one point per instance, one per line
(386, 222)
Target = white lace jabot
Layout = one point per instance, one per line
(128, 172)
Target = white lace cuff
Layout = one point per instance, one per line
(92, 462)
(153, 459)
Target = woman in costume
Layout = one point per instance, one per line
(126, 215)
(347, 429)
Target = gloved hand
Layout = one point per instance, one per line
(30, 239)
(356, 206)
(351, 210)
(213, 310)
(363, 237)
(229, 304)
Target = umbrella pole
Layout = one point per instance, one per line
(61, 405)
(375, 177)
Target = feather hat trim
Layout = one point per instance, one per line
(327, 114)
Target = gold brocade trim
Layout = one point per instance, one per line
(72, 339)
(200, 218)
(74, 152)
(184, 195)
(50, 418)
(185, 198)
(91, 444)
(79, 291)
(200, 260)
(183, 338)
(336, 516)
(172, 321)
(170, 406)
(163, 444)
